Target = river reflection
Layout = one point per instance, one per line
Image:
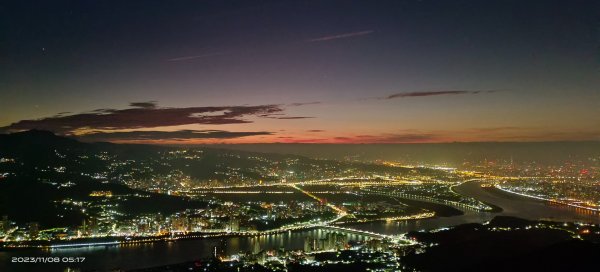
(105, 258)
(157, 254)
(527, 208)
(399, 227)
(512, 205)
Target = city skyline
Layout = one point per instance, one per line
(303, 72)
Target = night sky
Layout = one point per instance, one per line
(302, 71)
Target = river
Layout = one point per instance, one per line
(105, 258)
(512, 205)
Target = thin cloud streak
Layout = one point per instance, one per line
(397, 138)
(144, 105)
(341, 36)
(292, 117)
(304, 104)
(167, 135)
(434, 93)
(186, 58)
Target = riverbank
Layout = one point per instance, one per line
(524, 207)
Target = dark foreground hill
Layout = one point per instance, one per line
(506, 244)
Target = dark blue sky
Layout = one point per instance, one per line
(372, 71)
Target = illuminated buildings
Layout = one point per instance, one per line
(33, 230)
(4, 224)
(101, 193)
(234, 224)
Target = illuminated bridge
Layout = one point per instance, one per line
(357, 231)
(480, 207)
(398, 239)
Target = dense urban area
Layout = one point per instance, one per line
(60, 193)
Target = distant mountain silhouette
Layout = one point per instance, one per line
(35, 139)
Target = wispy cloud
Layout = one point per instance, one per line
(194, 57)
(497, 129)
(303, 104)
(283, 117)
(384, 138)
(167, 135)
(341, 36)
(397, 138)
(144, 105)
(434, 93)
(292, 117)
